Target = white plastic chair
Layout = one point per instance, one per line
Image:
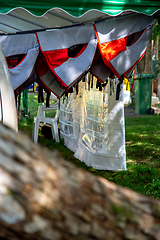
(41, 118)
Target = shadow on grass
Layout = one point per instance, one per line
(143, 140)
(137, 176)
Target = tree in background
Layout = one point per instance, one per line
(156, 38)
(145, 65)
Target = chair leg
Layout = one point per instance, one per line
(55, 127)
(33, 130)
(36, 130)
(52, 129)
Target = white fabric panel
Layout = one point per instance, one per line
(70, 70)
(102, 138)
(117, 28)
(8, 113)
(64, 38)
(116, 145)
(98, 138)
(23, 71)
(18, 44)
(69, 126)
(128, 58)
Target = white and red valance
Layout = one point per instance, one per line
(63, 56)
(123, 41)
(68, 52)
(21, 51)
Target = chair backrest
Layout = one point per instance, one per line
(43, 108)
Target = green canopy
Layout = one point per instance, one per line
(24, 15)
(79, 7)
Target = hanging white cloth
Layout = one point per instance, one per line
(95, 129)
(8, 114)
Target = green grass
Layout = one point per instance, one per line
(142, 150)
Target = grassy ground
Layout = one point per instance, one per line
(142, 149)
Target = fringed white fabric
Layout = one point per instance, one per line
(92, 125)
(69, 127)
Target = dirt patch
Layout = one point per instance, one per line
(130, 111)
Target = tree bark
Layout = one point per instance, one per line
(44, 197)
(148, 59)
(141, 66)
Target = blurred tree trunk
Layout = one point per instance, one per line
(145, 65)
(43, 197)
(148, 59)
(141, 66)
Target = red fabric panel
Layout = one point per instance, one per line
(12, 62)
(110, 50)
(53, 58)
(56, 57)
(41, 66)
(15, 60)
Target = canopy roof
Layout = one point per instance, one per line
(79, 7)
(24, 15)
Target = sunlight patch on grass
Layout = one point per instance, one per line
(130, 161)
(25, 123)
